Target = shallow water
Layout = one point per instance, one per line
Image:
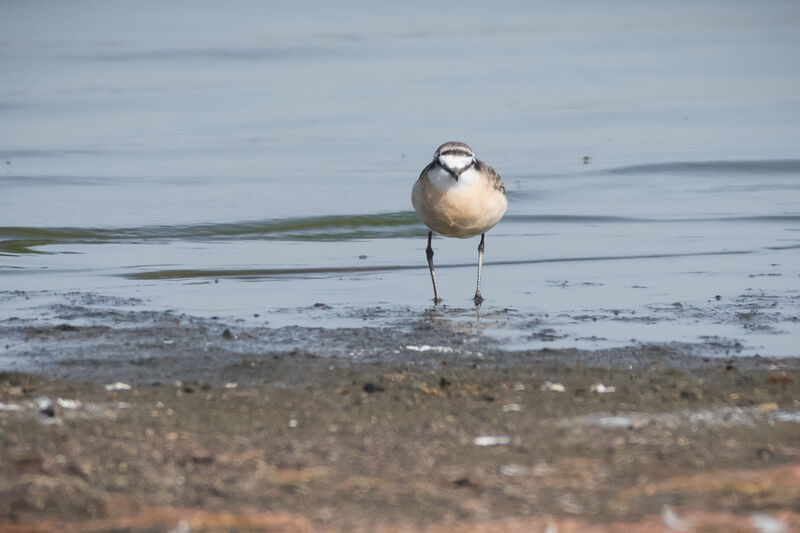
(259, 161)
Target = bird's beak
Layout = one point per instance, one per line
(449, 170)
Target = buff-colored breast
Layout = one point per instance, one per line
(459, 211)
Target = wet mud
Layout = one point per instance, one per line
(131, 420)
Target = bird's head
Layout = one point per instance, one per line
(454, 157)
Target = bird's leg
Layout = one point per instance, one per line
(478, 299)
(429, 255)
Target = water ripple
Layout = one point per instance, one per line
(254, 273)
(765, 166)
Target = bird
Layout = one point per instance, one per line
(457, 195)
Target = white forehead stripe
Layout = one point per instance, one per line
(455, 161)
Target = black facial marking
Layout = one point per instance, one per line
(455, 172)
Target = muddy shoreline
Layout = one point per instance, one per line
(215, 434)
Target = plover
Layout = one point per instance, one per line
(457, 195)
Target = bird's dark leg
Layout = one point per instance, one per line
(429, 255)
(478, 299)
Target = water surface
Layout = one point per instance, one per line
(249, 163)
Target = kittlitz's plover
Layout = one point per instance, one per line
(457, 195)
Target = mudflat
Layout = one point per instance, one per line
(211, 437)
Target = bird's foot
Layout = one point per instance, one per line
(478, 299)
(437, 300)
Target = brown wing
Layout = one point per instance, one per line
(494, 177)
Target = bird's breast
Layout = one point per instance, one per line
(461, 208)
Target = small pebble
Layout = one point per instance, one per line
(45, 406)
(370, 388)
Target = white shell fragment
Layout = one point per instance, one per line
(118, 385)
(599, 388)
(491, 440)
(428, 348)
(553, 387)
(68, 404)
